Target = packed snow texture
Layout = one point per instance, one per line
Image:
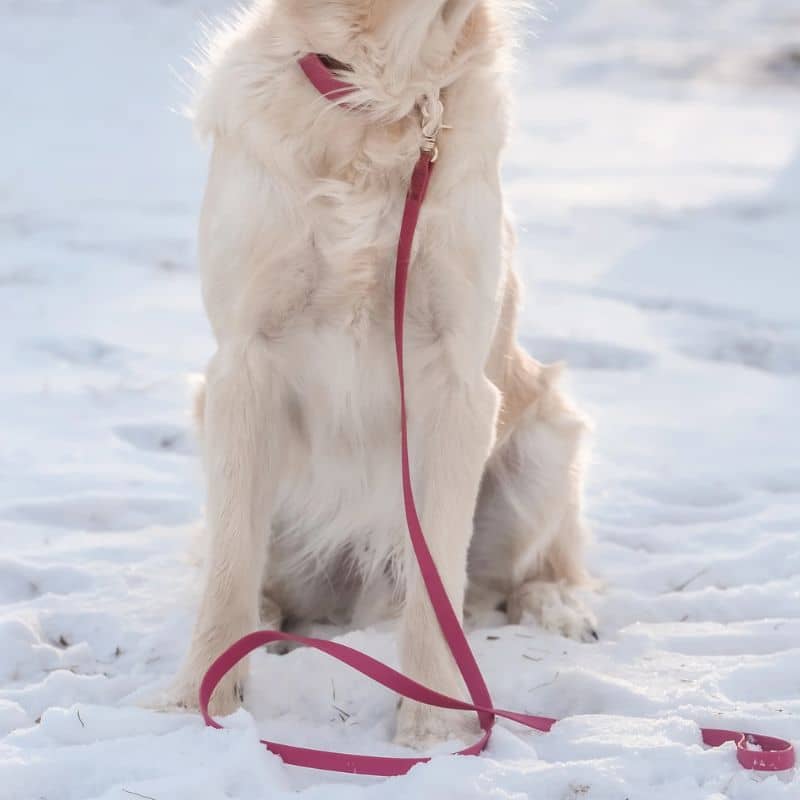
(655, 175)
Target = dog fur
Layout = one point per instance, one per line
(300, 412)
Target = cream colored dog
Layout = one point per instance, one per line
(300, 413)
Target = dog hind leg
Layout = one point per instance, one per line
(528, 548)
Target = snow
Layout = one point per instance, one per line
(655, 174)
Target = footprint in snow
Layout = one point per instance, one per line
(97, 513)
(158, 438)
(765, 351)
(784, 65)
(673, 305)
(787, 481)
(720, 334)
(588, 355)
(83, 352)
(690, 495)
(20, 581)
(19, 277)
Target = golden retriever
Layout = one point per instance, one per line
(300, 412)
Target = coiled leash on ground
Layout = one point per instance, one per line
(753, 751)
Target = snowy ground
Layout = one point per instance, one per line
(656, 174)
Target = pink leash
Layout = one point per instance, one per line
(771, 754)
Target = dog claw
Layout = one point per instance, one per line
(590, 635)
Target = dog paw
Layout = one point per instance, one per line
(227, 698)
(555, 607)
(209, 642)
(421, 727)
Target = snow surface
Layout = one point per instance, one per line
(656, 176)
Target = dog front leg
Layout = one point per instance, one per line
(239, 434)
(454, 436)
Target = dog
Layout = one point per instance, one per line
(299, 413)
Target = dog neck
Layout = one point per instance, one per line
(317, 69)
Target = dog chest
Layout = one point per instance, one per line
(342, 419)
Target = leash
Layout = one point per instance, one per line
(753, 751)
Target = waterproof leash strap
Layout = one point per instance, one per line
(753, 751)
